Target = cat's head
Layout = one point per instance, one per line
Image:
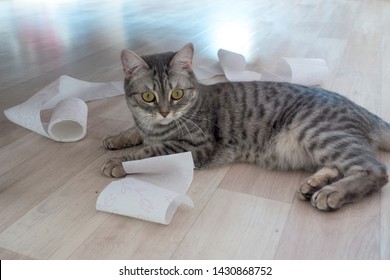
(160, 87)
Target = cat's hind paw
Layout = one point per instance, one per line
(328, 198)
(113, 168)
(309, 187)
(316, 182)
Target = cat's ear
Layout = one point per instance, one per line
(183, 58)
(132, 63)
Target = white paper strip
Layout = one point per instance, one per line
(233, 65)
(153, 190)
(304, 71)
(67, 96)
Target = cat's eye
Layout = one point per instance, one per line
(177, 94)
(148, 96)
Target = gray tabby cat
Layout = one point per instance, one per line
(275, 125)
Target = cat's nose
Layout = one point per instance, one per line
(164, 114)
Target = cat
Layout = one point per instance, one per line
(272, 124)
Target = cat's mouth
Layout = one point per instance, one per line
(165, 121)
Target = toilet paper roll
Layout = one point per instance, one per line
(69, 120)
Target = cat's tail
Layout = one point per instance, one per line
(384, 140)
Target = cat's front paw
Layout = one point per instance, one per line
(111, 143)
(113, 168)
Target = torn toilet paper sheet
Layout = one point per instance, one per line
(67, 96)
(153, 190)
(304, 71)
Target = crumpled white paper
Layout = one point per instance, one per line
(67, 95)
(304, 71)
(153, 190)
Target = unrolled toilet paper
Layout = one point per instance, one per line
(67, 97)
(304, 71)
(153, 190)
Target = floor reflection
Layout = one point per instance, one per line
(64, 26)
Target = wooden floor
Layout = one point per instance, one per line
(48, 189)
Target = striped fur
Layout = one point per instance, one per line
(274, 125)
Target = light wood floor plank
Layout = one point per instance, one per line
(235, 226)
(66, 216)
(253, 180)
(9, 255)
(351, 233)
(57, 163)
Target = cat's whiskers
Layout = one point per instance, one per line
(205, 119)
(185, 126)
(179, 126)
(131, 135)
(195, 125)
(145, 125)
(202, 119)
